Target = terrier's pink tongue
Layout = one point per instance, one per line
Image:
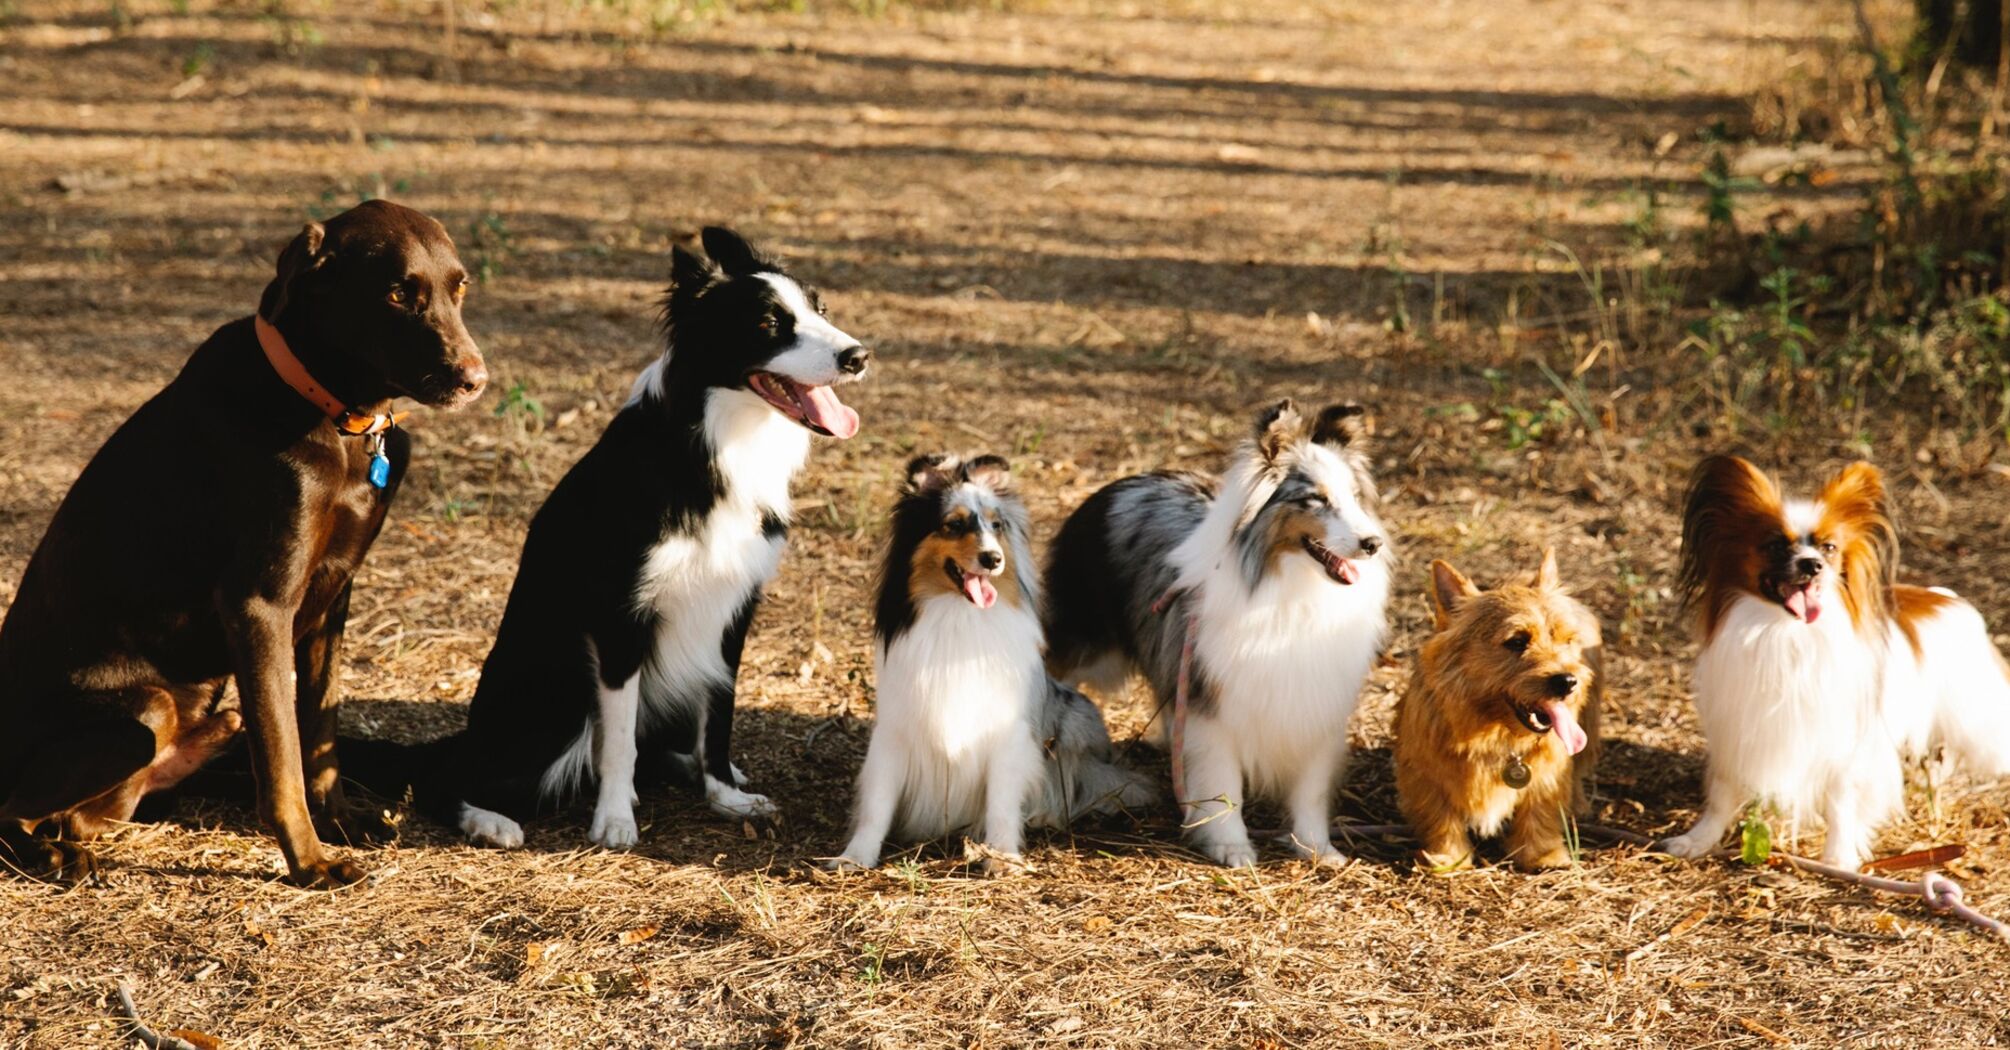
(1805, 606)
(979, 590)
(1564, 725)
(826, 411)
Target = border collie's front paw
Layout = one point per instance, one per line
(1321, 854)
(613, 830)
(486, 828)
(733, 804)
(1231, 854)
(847, 862)
(1002, 865)
(1688, 847)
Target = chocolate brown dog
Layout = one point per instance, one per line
(215, 536)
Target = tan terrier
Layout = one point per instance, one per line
(1501, 719)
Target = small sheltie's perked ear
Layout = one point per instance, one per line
(1344, 425)
(1449, 589)
(1546, 576)
(992, 472)
(930, 472)
(1276, 429)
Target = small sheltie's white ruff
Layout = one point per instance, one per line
(1287, 659)
(1818, 720)
(953, 744)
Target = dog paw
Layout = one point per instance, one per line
(326, 873)
(847, 862)
(739, 778)
(1322, 855)
(1688, 847)
(1002, 865)
(1231, 854)
(613, 831)
(1550, 861)
(733, 804)
(49, 860)
(485, 828)
(1443, 862)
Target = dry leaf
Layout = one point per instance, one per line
(200, 1040)
(1097, 924)
(638, 934)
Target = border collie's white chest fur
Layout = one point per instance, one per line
(952, 688)
(698, 580)
(1792, 710)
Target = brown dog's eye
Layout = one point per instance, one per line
(399, 296)
(460, 291)
(1517, 643)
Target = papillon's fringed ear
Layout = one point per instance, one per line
(1449, 589)
(1344, 426)
(1731, 507)
(1856, 497)
(992, 472)
(1546, 576)
(300, 257)
(1276, 429)
(1856, 492)
(732, 252)
(930, 472)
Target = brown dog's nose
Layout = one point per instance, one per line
(470, 379)
(1563, 684)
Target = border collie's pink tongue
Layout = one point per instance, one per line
(979, 590)
(1805, 604)
(822, 408)
(1564, 725)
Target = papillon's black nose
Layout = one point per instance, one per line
(853, 359)
(1563, 684)
(1369, 545)
(1809, 566)
(990, 559)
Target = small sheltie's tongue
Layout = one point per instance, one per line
(1805, 604)
(822, 408)
(979, 590)
(1564, 725)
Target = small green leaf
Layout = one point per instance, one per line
(1756, 841)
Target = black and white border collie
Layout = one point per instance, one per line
(642, 571)
(971, 734)
(1284, 572)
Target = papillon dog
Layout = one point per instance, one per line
(970, 733)
(1274, 586)
(1820, 676)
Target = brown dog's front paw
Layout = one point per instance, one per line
(357, 825)
(326, 874)
(61, 862)
(1557, 857)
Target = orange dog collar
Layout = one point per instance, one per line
(346, 419)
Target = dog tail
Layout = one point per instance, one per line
(393, 770)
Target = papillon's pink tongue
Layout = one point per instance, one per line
(1805, 605)
(979, 590)
(822, 407)
(1564, 725)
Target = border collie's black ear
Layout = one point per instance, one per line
(689, 271)
(992, 472)
(731, 251)
(1276, 429)
(300, 257)
(930, 472)
(1343, 425)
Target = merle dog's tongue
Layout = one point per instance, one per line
(1804, 604)
(976, 588)
(822, 407)
(1564, 725)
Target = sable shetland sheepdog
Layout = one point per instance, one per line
(642, 570)
(971, 733)
(1501, 719)
(1818, 675)
(1284, 575)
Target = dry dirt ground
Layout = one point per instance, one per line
(1089, 236)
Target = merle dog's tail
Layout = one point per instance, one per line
(391, 770)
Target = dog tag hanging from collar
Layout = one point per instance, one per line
(380, 464)
(1515, 775)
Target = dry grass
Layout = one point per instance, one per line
(1086, 237)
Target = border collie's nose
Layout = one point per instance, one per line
(1563, 684)
(1809, 566)
(853, 359)
(1369, 545)
(990, 560)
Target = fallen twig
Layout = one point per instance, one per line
(140, 1031)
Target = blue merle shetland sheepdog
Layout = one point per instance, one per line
(642, 570)
(1283, 572)
(971, 734)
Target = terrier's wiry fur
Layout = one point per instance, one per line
(1510, 681)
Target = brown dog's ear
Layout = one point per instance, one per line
(1343, 426)
(1449, 590)
(992, 472)
(1546, 576)
(1276, 429)
(302, 256)
(930, 473)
